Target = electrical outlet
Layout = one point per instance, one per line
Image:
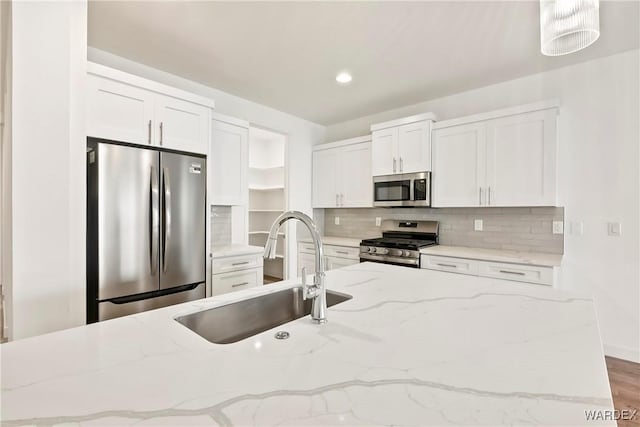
(336, 220)
(558, 227)
(477, 225)
(615, 229)
(378, 221)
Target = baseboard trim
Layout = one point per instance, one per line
(625, 353)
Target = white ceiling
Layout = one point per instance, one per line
(286, 55)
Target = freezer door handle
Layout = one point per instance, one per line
(167, 217)
(154, 221)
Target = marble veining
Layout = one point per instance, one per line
(412, 347)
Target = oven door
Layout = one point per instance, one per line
(392, 191)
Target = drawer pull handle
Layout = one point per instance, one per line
(239, 284)
(342, 252)
(447, 265)
(519, 273)
(240, 263)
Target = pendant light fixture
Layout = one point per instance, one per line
(567, 26)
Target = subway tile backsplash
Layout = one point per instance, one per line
(520, 229)
(220, 225)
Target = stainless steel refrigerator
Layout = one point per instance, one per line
(145, 228)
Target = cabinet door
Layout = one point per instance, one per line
(356, 183)
(181, 125)
(118, 111)
(414, 147)
(384, 152)
(307, 261)
(335, 262)
(521, 160)
(325, 178)
(235, 281)
(459, 166)
(228, 164)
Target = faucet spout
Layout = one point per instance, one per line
(317, 290)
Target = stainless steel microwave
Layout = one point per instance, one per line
(407, 190)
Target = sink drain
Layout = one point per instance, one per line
(282, 335)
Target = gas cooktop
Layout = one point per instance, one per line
(400, 243)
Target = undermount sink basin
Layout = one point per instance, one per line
(234, 322)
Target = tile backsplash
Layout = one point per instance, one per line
(220, 225)
(521, 229)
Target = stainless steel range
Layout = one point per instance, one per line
(400, 243)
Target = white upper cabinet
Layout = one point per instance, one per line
(325, 178)
(228, 163)
(458, 165)
(384, 152)
(402, 146)
(521, 160)
(355, 181)
(118, 111)
(414, 147)
(505, 158)
(127, 108)
(342, 174)
(181, 125)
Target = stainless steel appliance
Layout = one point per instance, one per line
(408, 190)
(400, 243)
(145, 228)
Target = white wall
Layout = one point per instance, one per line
(5, 156)
(301, 134)
(599, 181)
(47, 199)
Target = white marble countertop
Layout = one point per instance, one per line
(336, 241)
(235, 250)
(514, 257)
(413, 347)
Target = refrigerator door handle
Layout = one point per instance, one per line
(167, 217)
(154, 220)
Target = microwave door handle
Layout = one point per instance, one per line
(412, 195)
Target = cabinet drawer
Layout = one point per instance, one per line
(454, 265)
(235, 281)
(306, 248)
(517, 272)
(342, 252)
(242, 262)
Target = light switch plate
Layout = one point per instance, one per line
(558, 227)
(336, 220)
(378, 221)
(615, 229)
(477, 225)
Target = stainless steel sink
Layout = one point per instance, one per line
(237, 321)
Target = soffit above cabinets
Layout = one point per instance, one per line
(286, 55)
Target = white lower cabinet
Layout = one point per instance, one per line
(536, 274)
(335, 257)
(453, 265)
(235, 273)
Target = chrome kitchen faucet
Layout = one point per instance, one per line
(316, 291)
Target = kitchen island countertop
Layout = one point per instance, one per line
(412, 347)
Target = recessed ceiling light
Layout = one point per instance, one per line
(344, 77)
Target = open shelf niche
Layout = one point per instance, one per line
(267, 195)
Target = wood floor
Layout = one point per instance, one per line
(624, 378)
